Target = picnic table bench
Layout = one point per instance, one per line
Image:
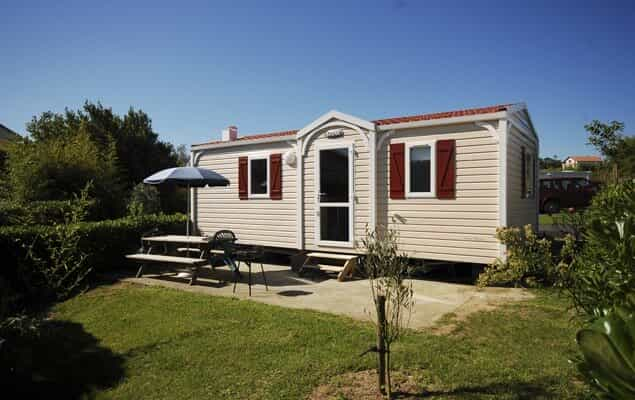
(193, 263)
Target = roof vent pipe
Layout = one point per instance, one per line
(230, 134)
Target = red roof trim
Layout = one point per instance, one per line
(387, 121)
(447, 114)
(254, 137)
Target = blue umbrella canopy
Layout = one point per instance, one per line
(187, 176)
(190, 177)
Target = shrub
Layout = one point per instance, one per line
(60, 167)
(602, 273)
(100, 246)
(144, 199)
(387, 268)
(48, 212)
(528, 262)
(608, 359)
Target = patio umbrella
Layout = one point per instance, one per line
(188, 177)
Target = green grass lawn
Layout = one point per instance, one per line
(133, 342)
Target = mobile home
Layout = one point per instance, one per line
(445, 181)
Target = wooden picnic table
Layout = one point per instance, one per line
(150, 255)
(178, 239)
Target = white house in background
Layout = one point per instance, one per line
(445, 181)
(575, 162)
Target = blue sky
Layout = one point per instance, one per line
(196, 68)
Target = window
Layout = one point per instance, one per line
(334, 184)
(334, 175)
(420, 170)
(530, 175)
(258, 176)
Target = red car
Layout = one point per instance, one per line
(565, 191)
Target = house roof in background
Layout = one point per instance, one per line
(585, 158)
(385, 121)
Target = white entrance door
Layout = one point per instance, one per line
(334, 195)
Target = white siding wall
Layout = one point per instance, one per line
(520, 211)
(459, 230)
(255, 221)
(360, 181)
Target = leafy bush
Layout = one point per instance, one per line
(32, 252)
(144, 199)
(528, 262)
(60, 167)
(47, 212)
(608, 349)
(602, 273)
(571, 221)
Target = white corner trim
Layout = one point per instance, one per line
(334, 115)
(503, 132)
(490, 128)
(299, 193)
(501, 136)
(372, 154)
(382, 139)
(195, 155)
(192, 197)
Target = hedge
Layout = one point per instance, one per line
(105, 243)
(36, 212)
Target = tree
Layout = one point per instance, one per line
(606, 138)
(126, 143)
(182, 156)
(59, 168)
(144, 199)
(392, 295)
(550, 163)
(132, 135)
(617, 149)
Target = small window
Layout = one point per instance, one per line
(258, 177)
(530, 175)
(420, 170)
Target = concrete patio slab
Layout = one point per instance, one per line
(352, 298)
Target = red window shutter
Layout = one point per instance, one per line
(243, 164)
(397, 180)
(446, 169)
(275, 176)
(523, 173)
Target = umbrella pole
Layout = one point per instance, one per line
(187, 223)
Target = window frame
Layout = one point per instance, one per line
(258, 156)
(338, 144)
(433, 169)
(530, 168)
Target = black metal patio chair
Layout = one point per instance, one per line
(248, 255)
(219, 247)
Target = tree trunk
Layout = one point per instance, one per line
(381, 343)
